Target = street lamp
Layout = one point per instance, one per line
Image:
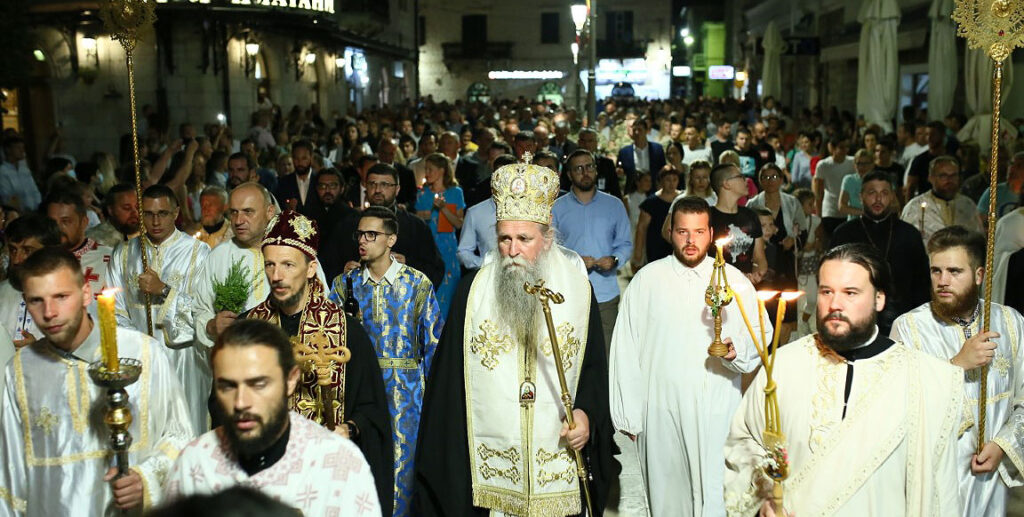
(581, 13)
(688, 40)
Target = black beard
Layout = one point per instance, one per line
(857, 336)
(960, 305)
(291, 301)
(272, 429)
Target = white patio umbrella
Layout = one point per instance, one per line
(978, 80)
(878, 62)
(773, 46)
(942, 66)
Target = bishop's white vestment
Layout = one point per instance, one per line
(321, 473)
(54, 446)
(889, 451)
(175, 260)
(985, 494)
(667, 390)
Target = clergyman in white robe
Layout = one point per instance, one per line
(320, 473)
(14, 315)
(54, 446)
(888, 452)
(983, 494)
(668, 392)
(1009, 239)
(175, 260)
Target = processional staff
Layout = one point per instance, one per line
(546, 297)
(992, 26)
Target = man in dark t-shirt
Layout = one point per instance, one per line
(745, 250)
(655, 210)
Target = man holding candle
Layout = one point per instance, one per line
(346, 397)
(949, 327)
(173, 258)
(869, 425)
(667, 394)
(54, 447)
(943, 205)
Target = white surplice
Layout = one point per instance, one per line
(986, 494)
(1009, 239)
(215, 269)
(14, 314)
(320, 473)
(893, 454)
(175, 260)
(54, 446)
(669, 392)
(939, 213)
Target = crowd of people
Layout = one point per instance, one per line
(342, 312)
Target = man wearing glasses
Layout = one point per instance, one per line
(402, 318)
(943, 205)
(415, 247)
(328, 208)
(173, 258)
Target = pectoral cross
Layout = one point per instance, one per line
(318, 356)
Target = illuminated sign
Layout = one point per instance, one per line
(320, 6)
(525, 74)
(721, 72)
(681, 71)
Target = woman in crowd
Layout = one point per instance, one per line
(442, 205)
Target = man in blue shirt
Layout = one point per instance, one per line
(595, 225)
(17, 186)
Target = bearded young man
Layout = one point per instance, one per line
(262, 444)
(949, 327)
(897, 241)
(665, 389)
(346, 397)
(944, 205)
(492, 434)
(120, 205)
(54, 448)
(870, 424)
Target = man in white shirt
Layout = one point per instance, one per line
(693, 149)
(943, 205)
(17, 186)
(828, 182)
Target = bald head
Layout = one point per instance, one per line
(250, 208)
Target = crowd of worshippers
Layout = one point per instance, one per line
(338, 318)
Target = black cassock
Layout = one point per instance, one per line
(444, 484)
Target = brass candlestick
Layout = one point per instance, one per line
(119, 412)
(718, 295)
(993, 26)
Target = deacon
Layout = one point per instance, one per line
(667, 393)
(346, 397)
(870, 424)
(400, 314)
(173, 258)
(55, 456)
(24, 236)
(950, 328)
(493, 435)
(251, 208)
(263, 445)
(943, 205)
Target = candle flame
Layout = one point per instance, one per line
(924, 204)
(764, 296)
(366, 204)
(723, 241)
(788, 296)
(109, 291)
(198, 235)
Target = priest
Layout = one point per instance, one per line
(949, 328)
(870, 425)
(667, 393)
(173, 257)
(265, 446)
(54, 447)
(493, 436)
(341, 386)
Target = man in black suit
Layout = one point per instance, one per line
(607, 179)
(327, 207)
(386, 151)
(560, 143)
(357, 196)
(293, 190)
(415, 246)
(642, 155)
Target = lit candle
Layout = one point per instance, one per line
(750, 328)
(762, 297)
(924, 204)
(720, 245)
(108, 330)
(786, 296)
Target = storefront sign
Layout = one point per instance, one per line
(320, 6)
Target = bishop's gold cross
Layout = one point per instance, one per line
(317, 355)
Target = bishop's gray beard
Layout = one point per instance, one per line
(517, 308)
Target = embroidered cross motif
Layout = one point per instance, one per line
(568, 344)
(489, 343)
(90, 276)
(46, 420)
(363, 502)
(306, 496)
